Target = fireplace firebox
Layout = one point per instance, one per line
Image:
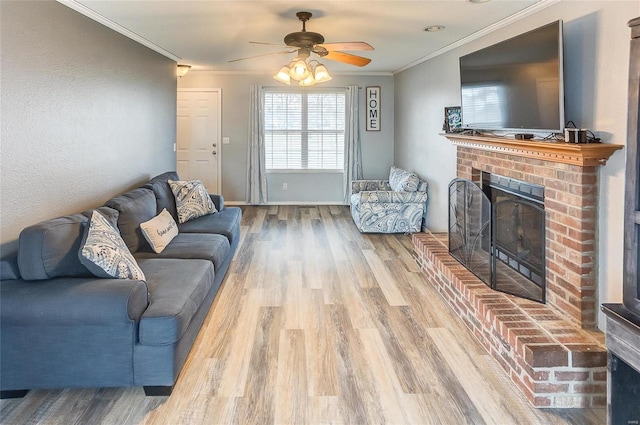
(497, 231)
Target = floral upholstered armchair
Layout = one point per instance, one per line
(397, 205)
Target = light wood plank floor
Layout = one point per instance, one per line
(317, 324)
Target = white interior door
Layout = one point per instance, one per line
(199, 137)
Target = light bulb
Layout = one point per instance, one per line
(299, 71)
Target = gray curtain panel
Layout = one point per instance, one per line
(256, 170)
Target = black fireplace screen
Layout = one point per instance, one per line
(497, 232)
(470, 227)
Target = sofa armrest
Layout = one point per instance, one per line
(393, 197)
(72, 301)
(9, 268)
(361, 185)
(218, 201)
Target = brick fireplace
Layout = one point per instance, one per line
(552, 351)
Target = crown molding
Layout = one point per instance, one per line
(534, 8)
(264, 72)
(92, 14)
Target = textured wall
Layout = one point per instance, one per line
(86, 114)
(596, 43)
(377, 146)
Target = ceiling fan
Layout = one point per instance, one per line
(307, 42)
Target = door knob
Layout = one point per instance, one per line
(214, 145)
(214, 153)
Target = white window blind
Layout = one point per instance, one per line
(304, 130)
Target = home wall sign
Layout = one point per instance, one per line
(373, 108)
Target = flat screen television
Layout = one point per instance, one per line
(515, 85)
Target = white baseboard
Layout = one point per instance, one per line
(239, 203)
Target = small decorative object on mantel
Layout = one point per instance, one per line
(452, 119)
(373, 108)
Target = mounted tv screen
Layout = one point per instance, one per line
(515, 85)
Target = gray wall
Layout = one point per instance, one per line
(596, 46)
(377, 147)
(86, 113)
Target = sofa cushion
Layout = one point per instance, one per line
(177, 288)
(192, 199)
(225, 222)
(135, 207)
(402, 180)
(201, 246)
(159, 231)
(164, 196)
(50, 249)
(103, 251)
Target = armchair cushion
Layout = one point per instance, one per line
(362, 185)
(390, 196)
(403, 180)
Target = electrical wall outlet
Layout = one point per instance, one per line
(284, 186)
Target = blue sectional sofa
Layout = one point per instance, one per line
(62, 327)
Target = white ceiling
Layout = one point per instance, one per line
(207, 34)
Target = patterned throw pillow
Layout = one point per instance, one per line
(402, 180)
(159, 231)
(192, 199)
(104, 252)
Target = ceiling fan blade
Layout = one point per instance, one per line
(349, 45)
(268, 44)
(347, 58)
(265, 54)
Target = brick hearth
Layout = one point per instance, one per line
(553, 352)
(552, 361)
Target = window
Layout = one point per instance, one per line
(304, 130)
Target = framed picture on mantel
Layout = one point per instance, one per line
(452, 119)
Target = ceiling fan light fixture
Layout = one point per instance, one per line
(299, 70)
(321, 74)
(283, 75)
(306, 42)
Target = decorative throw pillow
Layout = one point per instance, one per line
(104, 253)
(402, 180)
(159, 231)
(192, 199)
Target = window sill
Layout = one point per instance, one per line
(305, 171)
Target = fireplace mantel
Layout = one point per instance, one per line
(585, 155)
